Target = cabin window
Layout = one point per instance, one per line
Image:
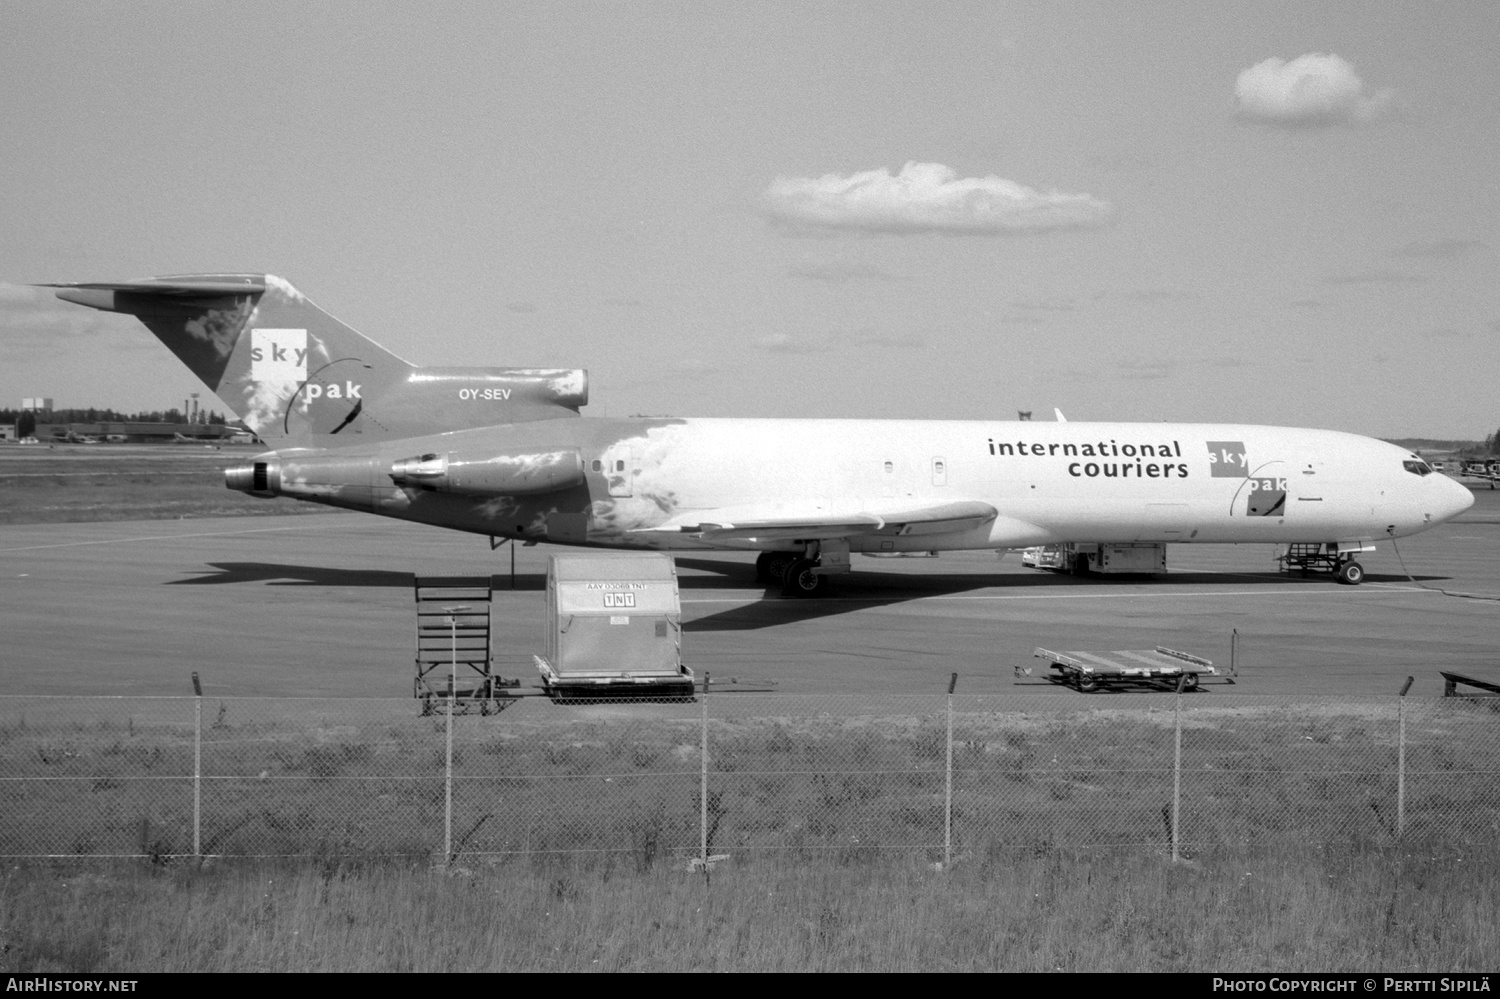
(1417, 467)
(598, 465)
(620, 465)
(890, 467)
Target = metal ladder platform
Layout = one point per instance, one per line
(1159, 668)
(453, 654)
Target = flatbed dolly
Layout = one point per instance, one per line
(1339, 559)
(603, 684)
(1452, 681)
(1159, 668)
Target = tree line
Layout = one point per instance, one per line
(26, 420)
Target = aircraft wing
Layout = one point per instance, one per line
(943, 518)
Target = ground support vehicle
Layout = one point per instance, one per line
(1159, 668)
(1337, 558)
(1134, 558)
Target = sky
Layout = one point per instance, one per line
(1260, 212)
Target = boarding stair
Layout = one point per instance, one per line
(454, 653)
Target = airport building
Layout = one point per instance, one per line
(143, 433)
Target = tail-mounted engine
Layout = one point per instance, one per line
(542, 471)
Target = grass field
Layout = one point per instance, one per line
(1330, 909)
(74, 483)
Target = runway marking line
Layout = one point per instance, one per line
(163, 537)
(1385, 588)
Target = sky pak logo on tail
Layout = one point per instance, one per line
(279, 375)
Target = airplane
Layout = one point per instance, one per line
(1484, 471)
(505, 452)
(70, 437)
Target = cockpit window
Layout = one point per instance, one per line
(1417, 467)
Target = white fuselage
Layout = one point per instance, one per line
(1050, 482)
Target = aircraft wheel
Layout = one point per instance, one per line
(1087, 684)
(1351, 572)
(771, 567)
(1190, 682)
(801, 581)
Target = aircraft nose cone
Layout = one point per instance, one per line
(1454, 500)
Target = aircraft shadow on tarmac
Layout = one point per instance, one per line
(281, 574)
(865, 590)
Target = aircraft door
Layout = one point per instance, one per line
(619, 470)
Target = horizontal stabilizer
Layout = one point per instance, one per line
(102, 294)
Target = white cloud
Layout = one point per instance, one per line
(1441, 249)
(785, 343)
(926, 197)
(1136, 369)
(1312, 89)
(1374, 277)
(840, 273)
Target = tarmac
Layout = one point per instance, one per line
(323, 606)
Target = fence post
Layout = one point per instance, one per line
(948, 783)
(1401, 763)
(453, 613)
(703, 784)
(1177, 772)
(197, 767)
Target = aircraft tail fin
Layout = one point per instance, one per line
(285, 366)
(294, 373)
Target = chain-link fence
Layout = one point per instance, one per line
(731, 773)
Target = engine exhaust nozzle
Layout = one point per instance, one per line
(259, 478)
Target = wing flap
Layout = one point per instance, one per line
(942, 518)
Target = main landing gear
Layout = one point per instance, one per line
(796, 575)
(1350, 571)
(771, 567)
